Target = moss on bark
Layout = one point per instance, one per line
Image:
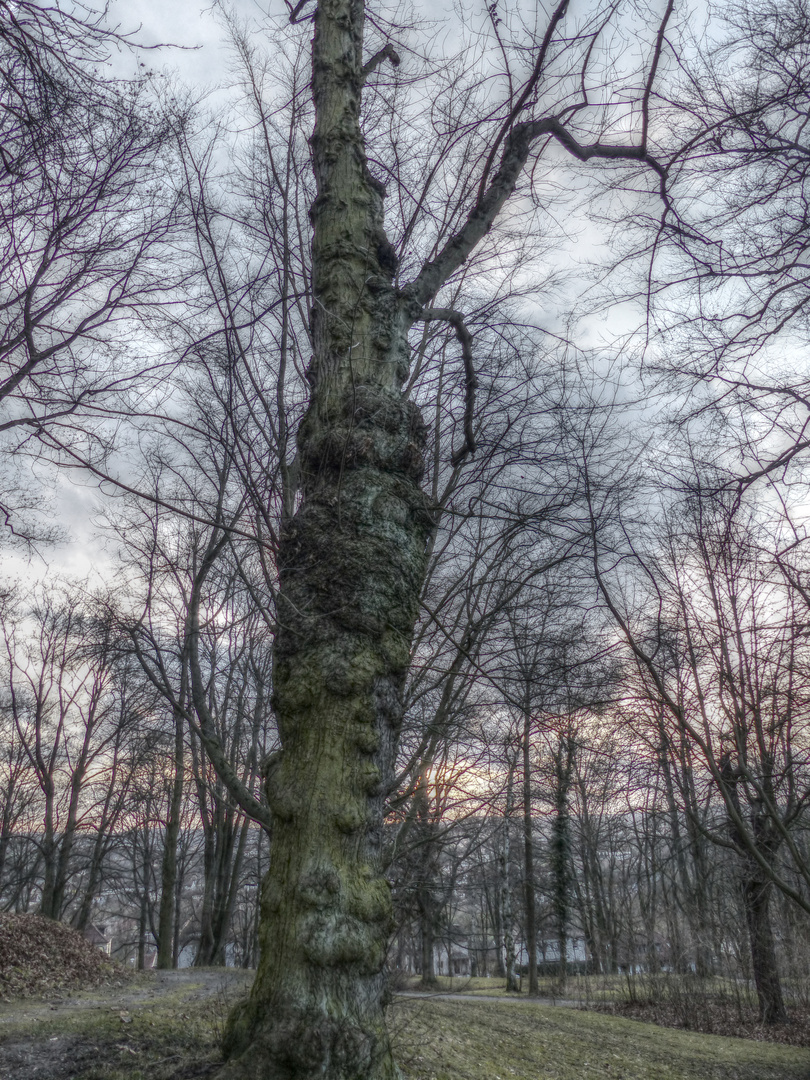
(351, 565)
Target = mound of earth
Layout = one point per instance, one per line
(39, 956)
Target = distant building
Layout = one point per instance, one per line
(548, 955)
(98, 936)
(452, 960)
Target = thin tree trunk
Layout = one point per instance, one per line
(427, 942)
(168, 874)
(757, 896)
(756, 892)
(225, 895)
(560, 861)
(178, 901)
(49, 852)
(93, 880)
(143, 919)
(528, 858)
(504, 862)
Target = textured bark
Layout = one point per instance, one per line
(351, 565)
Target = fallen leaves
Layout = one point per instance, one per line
(38, 956)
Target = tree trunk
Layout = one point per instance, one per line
(507, 915)
(351, 564)
(427, 941)
(93, 880)
(205, 945)
(494, 902)
(528, 852)
(168, 875)
(757, 896)
(560, 854)
(49, 854)
(143, 920)
(426, 900)
(756, 890)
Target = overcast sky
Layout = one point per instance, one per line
(191, 24)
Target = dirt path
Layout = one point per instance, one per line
(512, 999)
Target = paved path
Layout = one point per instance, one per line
(513, 999)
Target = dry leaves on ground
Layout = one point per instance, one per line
(39, 956)
(719, 1017)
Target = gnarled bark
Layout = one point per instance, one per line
(351, 564)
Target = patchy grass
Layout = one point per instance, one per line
(713, 1006)
(446, 1040)
(580, 988)
(167, 1027)
(459, 984)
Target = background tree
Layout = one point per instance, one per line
(87, 251)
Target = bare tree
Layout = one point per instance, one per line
(733, 691)
(87, 231)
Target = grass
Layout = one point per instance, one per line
(446, 1040)
(600, 989)
(578, 987)
(175, 1037)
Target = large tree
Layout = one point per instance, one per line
(353, 556)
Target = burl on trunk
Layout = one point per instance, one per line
(351, 565)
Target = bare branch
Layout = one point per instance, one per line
(515, 155)
(295, 12)
(388, 52)
(456, 320)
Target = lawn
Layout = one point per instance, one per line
(578, 987)
(480, 1040)
(168, 1029)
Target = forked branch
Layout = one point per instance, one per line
(517, 141)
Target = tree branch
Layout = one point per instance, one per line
(516, 152)
(456, 320)
(296, 11)
(387, 52)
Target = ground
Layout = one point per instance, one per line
(519, 1040)
(166, 1025)
(713, 1006)
(156, 1025)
